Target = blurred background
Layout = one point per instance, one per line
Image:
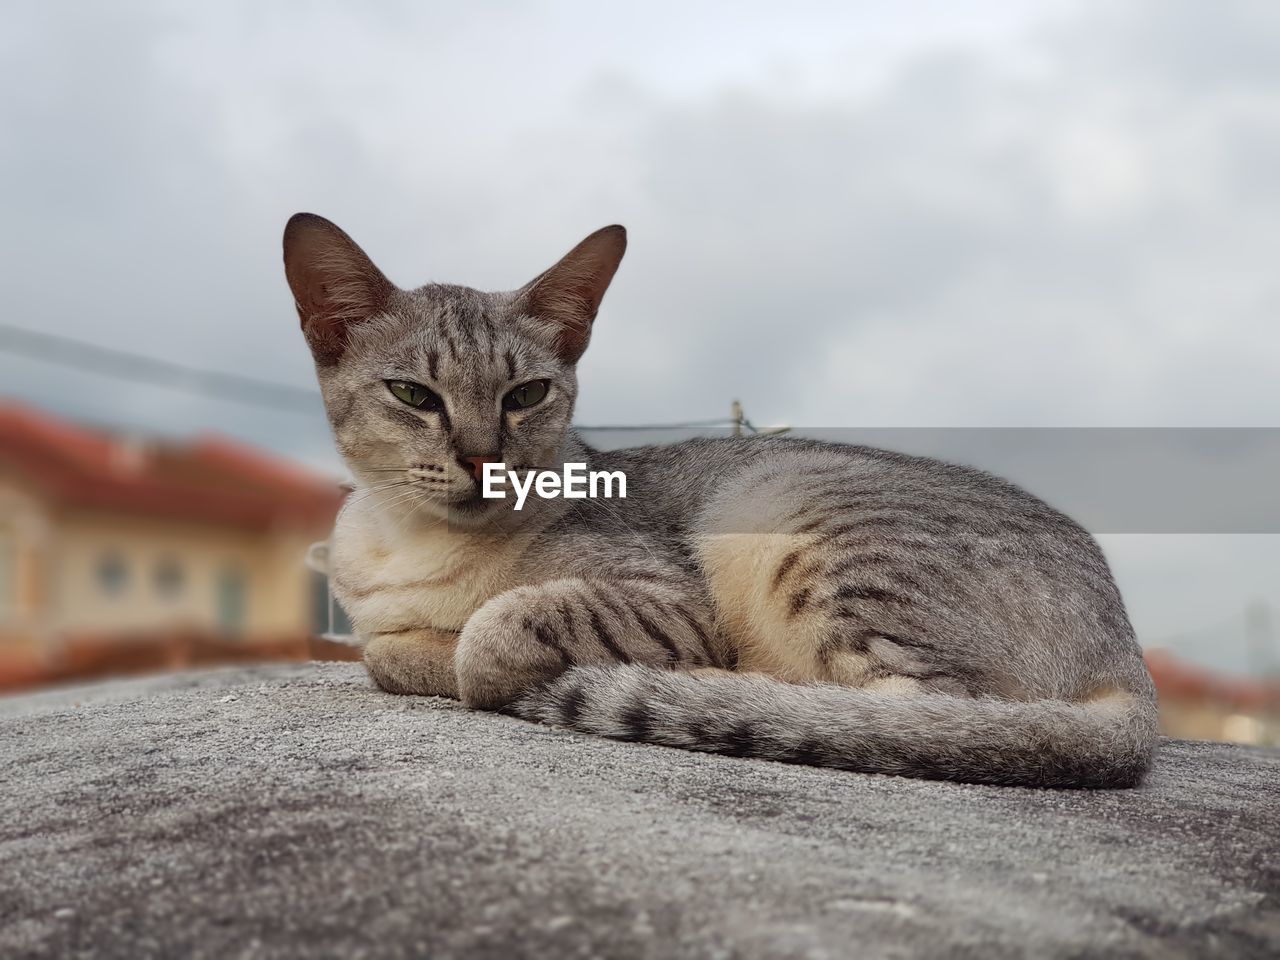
(932, 217)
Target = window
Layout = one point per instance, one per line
(8, 573)
(320, 610)
(113, 574)
(169, 578)
(233, 600)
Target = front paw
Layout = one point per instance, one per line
(413, 662)
(510, 645)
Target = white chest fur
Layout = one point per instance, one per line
(390, 575)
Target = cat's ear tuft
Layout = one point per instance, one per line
(568, 295)
(334, 283)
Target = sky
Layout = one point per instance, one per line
(883, 214)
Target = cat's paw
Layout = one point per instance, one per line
(413, 662)
(509, 646)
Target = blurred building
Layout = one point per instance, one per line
(1197, 704)
(124, 554)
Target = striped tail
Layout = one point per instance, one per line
(1047, 743)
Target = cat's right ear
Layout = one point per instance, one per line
(334, 283)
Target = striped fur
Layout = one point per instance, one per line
(769, 597)
(981, 740)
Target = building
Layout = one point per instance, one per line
(1197, 704)
(123, 554)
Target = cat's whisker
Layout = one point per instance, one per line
(415, 511)
(364, 493)
(399, 499)
(386, 485)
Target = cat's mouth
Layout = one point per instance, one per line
(472, 503)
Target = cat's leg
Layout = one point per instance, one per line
(417, 661)
(527, 636)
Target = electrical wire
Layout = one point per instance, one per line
(216, 384)
(690, 425)
(138, 368)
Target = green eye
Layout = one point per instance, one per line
(414, 394)
(526, 395)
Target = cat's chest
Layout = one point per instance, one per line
(395, 579)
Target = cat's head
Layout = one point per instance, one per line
(422, 385)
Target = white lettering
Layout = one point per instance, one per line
(548, 484)
(576, 482)
(575, 473)
(608, 479)
(522, 490)
(494, 473)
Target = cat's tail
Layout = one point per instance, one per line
(1105, 742)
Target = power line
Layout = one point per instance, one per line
(726, 424)
(237, 388)
(136, 367)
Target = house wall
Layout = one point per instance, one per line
(1208, 719)
(24, 544)
(52, 580)
(108, 576)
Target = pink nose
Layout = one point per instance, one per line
(476, 464)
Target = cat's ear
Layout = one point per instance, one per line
(568, 295)
(334, 283)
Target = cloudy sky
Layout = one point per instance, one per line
(907, 214)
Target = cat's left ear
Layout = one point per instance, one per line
(568, 295)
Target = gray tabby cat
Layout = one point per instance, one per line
(778, 597)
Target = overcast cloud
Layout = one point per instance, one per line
(894, 214)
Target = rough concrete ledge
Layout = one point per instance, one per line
(295, 810)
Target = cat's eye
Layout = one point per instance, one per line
(415, 394)
(526, 395)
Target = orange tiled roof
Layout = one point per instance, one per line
(1177, 679)
(209, 480)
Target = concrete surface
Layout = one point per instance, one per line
(285, 811)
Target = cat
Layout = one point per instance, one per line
(772, 597)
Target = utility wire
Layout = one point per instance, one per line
(661, 426)
(126, 365)
(237, 388)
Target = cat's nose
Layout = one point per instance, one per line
(475, 464)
